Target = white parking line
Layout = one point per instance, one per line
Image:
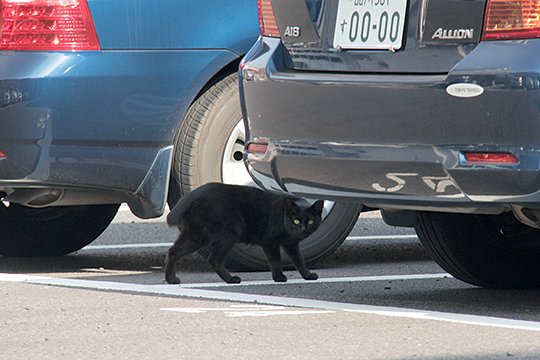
(167, 244)
(325, 280)
(250, 311)
(125, 246)
(174, 290)
(381, 237)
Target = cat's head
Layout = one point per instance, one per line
(301, 217)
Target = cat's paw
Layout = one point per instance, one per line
(311, 276)
(234, 280)
(172, 280)
(279, 278)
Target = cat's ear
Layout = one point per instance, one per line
(317, 206)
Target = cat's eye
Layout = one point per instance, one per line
(296, 221)
(310, 221)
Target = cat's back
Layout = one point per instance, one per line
(217, 200)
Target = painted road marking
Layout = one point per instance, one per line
(168, 244)
(381, 237)
(126, 246)
(251, 311)
(325, 280)
(175, 290)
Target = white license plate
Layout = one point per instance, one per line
(370, 24)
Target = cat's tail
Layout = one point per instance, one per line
(177, 213)
(172, 220)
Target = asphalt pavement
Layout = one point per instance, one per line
(378, 297)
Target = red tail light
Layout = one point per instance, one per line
(491, 158)
(267, 20)
(512, 19)
(47, 25)
(2, 155)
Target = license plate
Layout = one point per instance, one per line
(370, 24)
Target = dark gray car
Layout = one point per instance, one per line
(428, 110)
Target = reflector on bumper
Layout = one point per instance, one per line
(491, 158)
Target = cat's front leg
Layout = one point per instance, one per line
(293, 250)
(274, 260)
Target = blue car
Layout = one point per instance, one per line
(426, 110)
(106, 102)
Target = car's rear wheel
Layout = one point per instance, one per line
(485, 250)
(209, 148)
(51, 231)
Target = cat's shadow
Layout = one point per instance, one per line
(351, 253)
(94, 261)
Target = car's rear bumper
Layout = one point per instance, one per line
(95, 127)
(397, 141)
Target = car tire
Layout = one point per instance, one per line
(201, 139)
(201, 144)
(492, 251)
(51, 231)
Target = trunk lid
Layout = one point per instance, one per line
(378, 36)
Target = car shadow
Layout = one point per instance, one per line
(354, 252)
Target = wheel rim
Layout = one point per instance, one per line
(233, 170)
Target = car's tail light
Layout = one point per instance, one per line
(47, 25)
(2, 155)
(267, 20)
(491, 158)
(512, 19)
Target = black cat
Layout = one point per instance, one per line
(219, 215)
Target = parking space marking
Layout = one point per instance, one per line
(126, 246)
(381, 237)
(324, 280)
(250, 311)
(174, 290)
(167, 244)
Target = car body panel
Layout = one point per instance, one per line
(103, 122)
(172, 24)
(397, 140)
(96, 106)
